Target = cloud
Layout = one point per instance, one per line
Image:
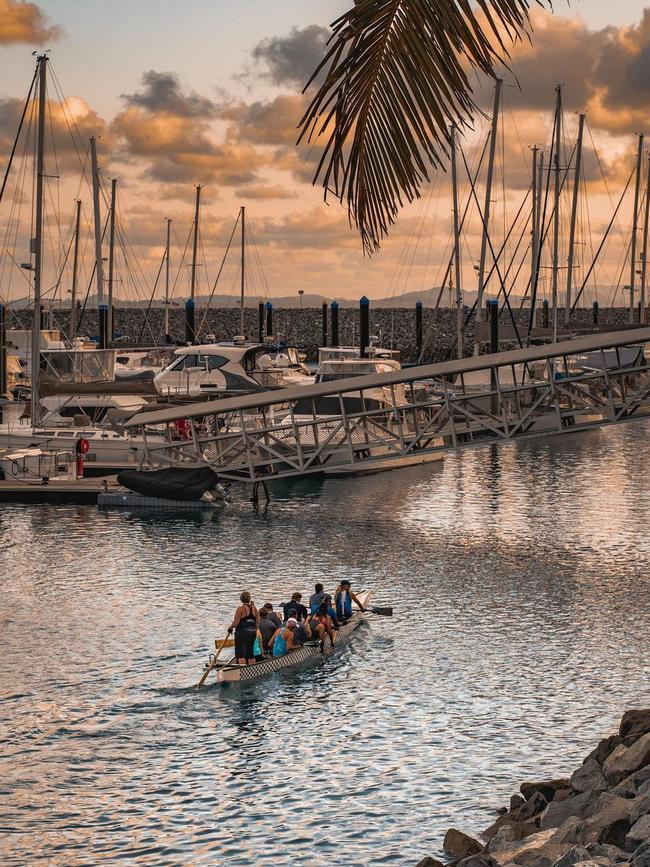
(163, 92)
(266, 192)
(24, 23)
(170, 131)
(267, 123)
(291, 59)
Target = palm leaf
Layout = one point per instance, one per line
(396, 77)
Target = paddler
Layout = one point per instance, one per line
(283, 641)
(316, 600)
(245, 625)
(321, 624)
(343, 599)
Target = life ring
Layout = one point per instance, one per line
(82, 446)
(182, 427)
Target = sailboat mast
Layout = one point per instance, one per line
(195, 244)
(111, 254)
(574, 214)
(486, 208)
(459, 291)
(556, 208)
(167, 249)
(243, 270)
(534, 234)
(75, 274)
(644, 253)
(635, 226)
(99, 264)
(37, 242)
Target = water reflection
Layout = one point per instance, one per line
(519, 580)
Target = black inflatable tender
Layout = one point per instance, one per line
(171, 484)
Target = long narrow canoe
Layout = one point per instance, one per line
(231, 672)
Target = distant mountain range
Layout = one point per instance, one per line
(408, 299)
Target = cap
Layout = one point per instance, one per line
(292, 621)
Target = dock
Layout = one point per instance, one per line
(126, 500)
(82, 491)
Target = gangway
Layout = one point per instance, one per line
(572, 385)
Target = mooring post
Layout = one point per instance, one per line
(324, 324)
(103, 326)
(269, 319)
(190, 329)
(595, 312)
(493, 313)
(364, 326)
(418, 329)
(260, 321)
(545, 313)
(334, 307)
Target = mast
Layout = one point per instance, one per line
(534, 241)
(644, 253)
(195, 244)
(37, 242)
(486, 208)
(99, 265)
(556, 208)
(538, 223)
(459, 291)
(243, 270)
(635, 226)
(111, 252)
(75, 270)
(167, 248)
(574, 214)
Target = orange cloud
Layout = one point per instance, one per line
(24, 23)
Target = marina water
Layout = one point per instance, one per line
(519, 577)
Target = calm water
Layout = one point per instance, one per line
(520, 583)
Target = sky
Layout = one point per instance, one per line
(208, 92)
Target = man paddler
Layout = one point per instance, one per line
(343, 599)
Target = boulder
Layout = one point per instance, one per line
(557, 812)
(573, 856)
(641, 856)
(606, 850)
(460, 845)
(535, 805)
(634, 724)
(428, 861)
(626, 760)
(638, 833)
(640, 806)
(480, 860)
(510, 832)
(569, 831)
(516, 801)
(636, 784)
(609, 823)
(547, 788)
(517, 850)
(589, 777)
(605, 748)
(520, 829)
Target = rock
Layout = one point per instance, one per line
(605, 748)
(557, 812)
(480, 860)
(569, 831)
(510, 832)
(563, 794)
(516, 801)
(636, 784)
(460, 845)
(589, 777)
(609, 823)
(573, 856)
(428, 861)
(634, 724)
(626, 760)
(546, 787)
(638, 833)
(640, 806)
(606, 850)
(517, 850)
(535, 805)
(643, 778)
(641, 856)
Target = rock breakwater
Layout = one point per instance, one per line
(597, 817)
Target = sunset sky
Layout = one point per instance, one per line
(209, 92)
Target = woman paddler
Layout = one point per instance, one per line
(283, 641)
(245, 624)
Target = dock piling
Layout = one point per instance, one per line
(324, 324)
(260, 321)
(364, 326)
(190, 327)
(595, 312)
(103, 326)
(418, 329)
(545, 313)
(334, 307)
(269, 319)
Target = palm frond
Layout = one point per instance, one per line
(396, 77)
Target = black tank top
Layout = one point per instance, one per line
(248, 622)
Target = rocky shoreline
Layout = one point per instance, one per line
(597, 817)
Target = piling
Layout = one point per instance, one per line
(334, 307)
(103, 326)
(595, 312)
(324, 324)
(269, 319)
(260, 321)
(545, 313)
(190, 326)
(418, 329)
(493, 316)
(364, 326)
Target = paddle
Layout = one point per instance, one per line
(384, 612)
(225, 643)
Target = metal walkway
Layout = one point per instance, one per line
(573, 385)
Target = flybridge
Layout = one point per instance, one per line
(572, 385)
